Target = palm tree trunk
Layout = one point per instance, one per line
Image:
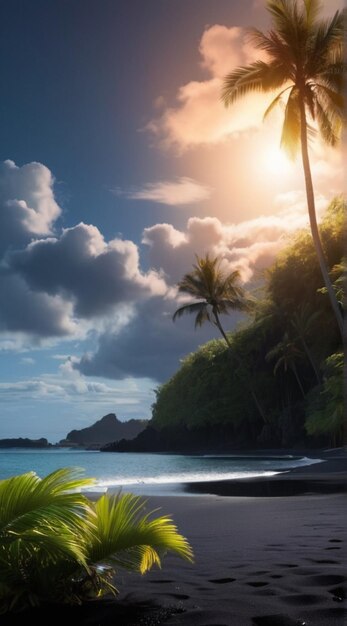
(310, 358)
(253, 394)
(295, 372)
(313, 219)
(220, 327)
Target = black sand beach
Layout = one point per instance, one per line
(259, 561)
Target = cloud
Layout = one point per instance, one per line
(27, 360)
(55, 286)
(199, 116)
(27, 204)
(25, 311)
(62, 286)
(150, 346)
(67, 388)
(80, 267)
(182, 191)
(248, 246)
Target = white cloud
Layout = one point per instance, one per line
(27, 204)
(199, 116)
(68, 385)
(248, 246)
(182, 191)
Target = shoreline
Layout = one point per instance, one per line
(259, 561)
(326, 477)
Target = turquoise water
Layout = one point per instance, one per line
(145, 474)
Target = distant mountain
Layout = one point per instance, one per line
(109, 428)
(24, 443)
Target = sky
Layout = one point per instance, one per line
(119, 163)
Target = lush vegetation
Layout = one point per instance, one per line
(280, 382)
(305, 65)
(56, 545)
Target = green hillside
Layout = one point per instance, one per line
(280, 383)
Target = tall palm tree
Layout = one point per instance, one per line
(215, 291)
(305, 58)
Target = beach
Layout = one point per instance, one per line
(259, 560)
(267, 561)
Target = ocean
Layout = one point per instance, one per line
(146, 474)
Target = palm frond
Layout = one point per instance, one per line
(276, 48)
(189, 309)
(257, 77)
(290, 23)
(127, 536)
(334, 100)
(312, 8)
(27, 494)
(330, 124)
(290, 139)
(275, 102)
(194, 284)
(202, 317)
(47, 557)
(332, 76)
(327, 39)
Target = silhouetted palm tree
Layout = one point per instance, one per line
(216, 293)
(305, 57)
(303, 322)
(286, 354)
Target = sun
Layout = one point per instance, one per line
(275, 161)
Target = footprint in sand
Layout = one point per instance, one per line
(325, 579)
(339, 594)
(221, 581)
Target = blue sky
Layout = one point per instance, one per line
(118, 163)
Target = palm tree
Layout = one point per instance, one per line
(286, 354)
(303, 322)
(58, 546)
(305, 58)
(216, 293)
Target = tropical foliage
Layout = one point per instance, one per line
(293, 333)
(326, 410)
(57, 545)
(305, 65)
(216, 293)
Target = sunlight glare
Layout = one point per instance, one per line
(276, 162)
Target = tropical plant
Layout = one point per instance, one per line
(326, 412)
(216, 292)
(286, 354)
(304, 58)
(57, 545)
